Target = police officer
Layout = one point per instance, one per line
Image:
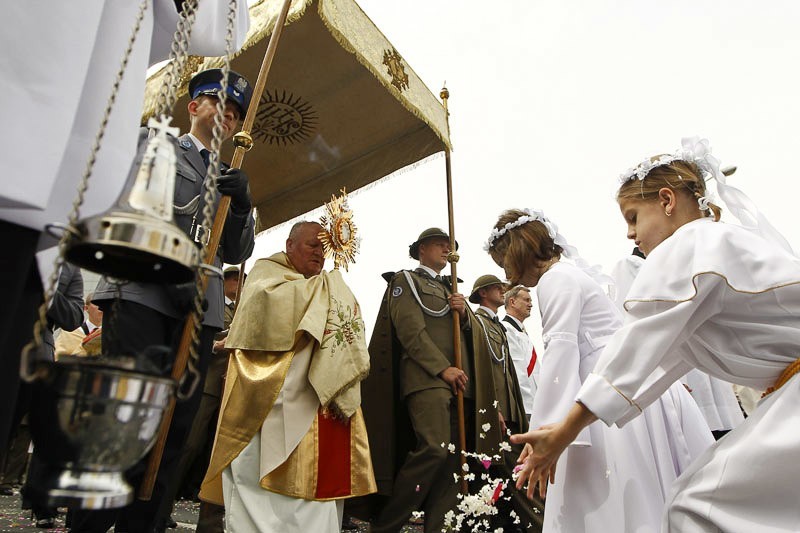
(139, 316)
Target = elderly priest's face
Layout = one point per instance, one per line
(305, 249)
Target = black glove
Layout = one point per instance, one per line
(182, 297)
(233, 182)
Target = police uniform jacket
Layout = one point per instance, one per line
(236, 243)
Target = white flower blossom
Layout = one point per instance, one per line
(486, 427)
(451, 448)
(506, 447)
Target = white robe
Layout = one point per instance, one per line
(719, 298)
(56, 85)
(250, 508)
(688, 433)
(716, 399)
(520, 346)
(608, 476)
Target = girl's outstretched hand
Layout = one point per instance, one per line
(545, 445)
(539, 457)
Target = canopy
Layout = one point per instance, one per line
(341, 107)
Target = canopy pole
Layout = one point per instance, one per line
(452, 258)
(243, 142)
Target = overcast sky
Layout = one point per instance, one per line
(551, 101)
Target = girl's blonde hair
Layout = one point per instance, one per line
(680, 176)
(521, 247)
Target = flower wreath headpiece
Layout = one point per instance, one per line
(568, 251)
(698, 151)
(693, 150)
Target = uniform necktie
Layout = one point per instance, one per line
(205, 154)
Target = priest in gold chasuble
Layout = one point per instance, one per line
(291, 442)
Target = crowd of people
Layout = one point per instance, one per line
(627, 421)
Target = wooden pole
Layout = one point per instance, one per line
(243, 142)
(452, 257)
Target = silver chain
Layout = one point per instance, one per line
(26, 373)
(179, 52)
(209, 195)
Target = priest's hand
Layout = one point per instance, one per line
(454, 377)
(219, 347)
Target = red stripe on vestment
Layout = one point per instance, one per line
(333, 464)
(533, 361)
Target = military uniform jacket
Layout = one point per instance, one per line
(506, 384)
(407, 351)
(426, 340)
(236, 243)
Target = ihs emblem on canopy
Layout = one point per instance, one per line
(394, 64)
(338, 233)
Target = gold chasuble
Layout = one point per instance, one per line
(281, 318)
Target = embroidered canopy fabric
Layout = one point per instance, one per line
(341, 107)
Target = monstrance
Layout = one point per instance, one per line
(339, 233)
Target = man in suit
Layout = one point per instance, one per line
(419, 308)
(140, 316)
(487, 292)
(518, 304)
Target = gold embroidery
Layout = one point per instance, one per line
(394, 65)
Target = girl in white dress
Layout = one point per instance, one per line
(610, 478)
(719, 297)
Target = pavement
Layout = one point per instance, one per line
(12, 518)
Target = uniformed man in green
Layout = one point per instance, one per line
(418, 305)
(488, 293)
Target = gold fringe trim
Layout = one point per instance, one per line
(411, 108)
(257, 34)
